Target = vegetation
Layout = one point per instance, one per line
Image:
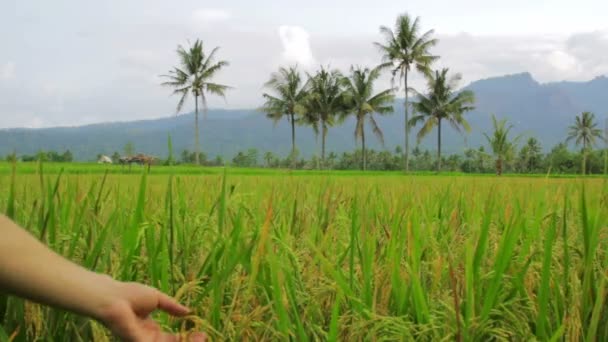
(499, 141)
(361, 102)
(443, 103)
(51, 156)
(325, 101)
(289, 101)
(328, 258)
(404, 48)
(194, 76)
(585, 132)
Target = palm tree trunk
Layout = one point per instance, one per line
(324, 135)
(364, 154)
(197, 146)
(406, 152)
(499, 166)
(293, 142)
(584, 157)
(438, 145)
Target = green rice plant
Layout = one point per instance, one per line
(266, 255)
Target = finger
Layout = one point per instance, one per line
(129, 329)
(171, 306)
(150, 325)
(197, 337)
(165, 337)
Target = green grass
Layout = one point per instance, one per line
(307, 255)
(94, 168)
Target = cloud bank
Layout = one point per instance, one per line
(95, 71)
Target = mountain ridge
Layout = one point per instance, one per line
(544, 110)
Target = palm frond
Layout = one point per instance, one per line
(376, 129)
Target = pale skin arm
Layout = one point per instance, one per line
(31, 270)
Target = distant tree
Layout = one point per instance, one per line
(442, 103)
(240, 159)
(193, 76)
(201, 157)
(11, 157)
(246, 159)
(468, 165)
(185, 157)
(219, 161)
(361, 102)
(483, 159)
(269, 159)
(288, 99)
(170, 160)
(404, 48)
(331, 160)
(398, 150)
(530, 155)
(115, 157)
(129, 149)
(28, 158)
(324, 103)
(416, 152)
(53, 156)
(585, 132)
(42, 156)
(501, 146)
(453, 162)
(67, 156)
(252, 157)
(560, 160)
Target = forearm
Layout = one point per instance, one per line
(31, 270)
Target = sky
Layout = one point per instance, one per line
(66, 63)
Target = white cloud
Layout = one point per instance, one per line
(206, 15)
(7, 71)
(562, 61)
(35, 122)
(296, 45)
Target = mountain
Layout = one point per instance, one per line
(542, 110)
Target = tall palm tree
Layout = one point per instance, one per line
(194, 76)
(442, 103)
(500, 144)
(288, 101)
(361, 101)
(585, 131)
(324, 102)
(404, 48)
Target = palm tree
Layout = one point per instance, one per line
(362, 103)
(193, 76)
(442, 103)
(404, 48)
(290, 90)
(500, 144)
(325, 100)
(585, 131)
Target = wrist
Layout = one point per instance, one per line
(106, 297)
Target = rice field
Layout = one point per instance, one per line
(327, 257)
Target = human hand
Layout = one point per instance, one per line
(127, 312)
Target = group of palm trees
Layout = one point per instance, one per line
(327, 97)
(584, 133)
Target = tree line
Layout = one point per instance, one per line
(50, 156)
